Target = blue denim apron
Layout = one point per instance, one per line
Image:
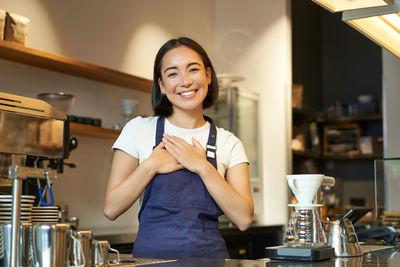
(178, 217)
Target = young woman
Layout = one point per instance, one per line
(190, 171)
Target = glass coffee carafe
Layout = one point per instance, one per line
(305, 229)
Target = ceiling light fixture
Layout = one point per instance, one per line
(380, 24)
(341, 5)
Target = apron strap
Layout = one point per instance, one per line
(159, 130)
(212, 138)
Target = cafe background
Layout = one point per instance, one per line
(248, 38)
(125, 36)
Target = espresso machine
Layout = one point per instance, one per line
(304, 239)
(29, 128)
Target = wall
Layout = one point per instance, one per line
(252, 39)
(126, 37)
(351, 63)
(307, 51)
(391, 96)
(331, 59)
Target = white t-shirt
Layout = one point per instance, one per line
(138, 139)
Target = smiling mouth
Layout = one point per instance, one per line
(188, 93)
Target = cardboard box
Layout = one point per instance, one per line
(297, 95)
(342, 139)
(2, 23)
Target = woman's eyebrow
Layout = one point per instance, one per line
(170, 68)
(193, 63)
(174, 67)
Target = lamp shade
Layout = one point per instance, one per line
(341, 5)
(381, 24)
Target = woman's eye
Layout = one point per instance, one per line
(172, 74)
(194, 69)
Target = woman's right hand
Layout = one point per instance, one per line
(128, 180)
(163, 161)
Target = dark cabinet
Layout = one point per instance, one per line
(346, 148)
(251, 244)
(337, 137)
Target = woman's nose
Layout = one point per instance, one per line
(186, 80)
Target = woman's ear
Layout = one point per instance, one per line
(208, 74)
(161, 85)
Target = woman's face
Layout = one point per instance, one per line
(184, 78)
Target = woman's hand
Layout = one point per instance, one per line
(163, 160)
(232, 194)
(191, 157)
(128, 179)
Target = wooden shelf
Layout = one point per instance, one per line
(19, 53)
(302, 112)
(308, 154)
(372, 117)
(351, 157)
(93, 131)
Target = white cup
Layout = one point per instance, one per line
(128, 105)
(304, 186)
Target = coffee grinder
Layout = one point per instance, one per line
(304, 239)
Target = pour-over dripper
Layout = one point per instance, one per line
(304, 186)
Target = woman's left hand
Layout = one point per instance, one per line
(192, 157)
(232, 192)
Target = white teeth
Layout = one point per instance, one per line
(187, 93)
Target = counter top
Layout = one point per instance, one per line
(388, 257)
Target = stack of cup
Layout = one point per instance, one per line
(23, 244)
(6, 229)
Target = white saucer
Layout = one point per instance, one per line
(305, 206)
(22, 197)
(10, 205)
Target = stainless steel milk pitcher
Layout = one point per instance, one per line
(50, 243)
(23, 244)
(79, 254)
(99, 253)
